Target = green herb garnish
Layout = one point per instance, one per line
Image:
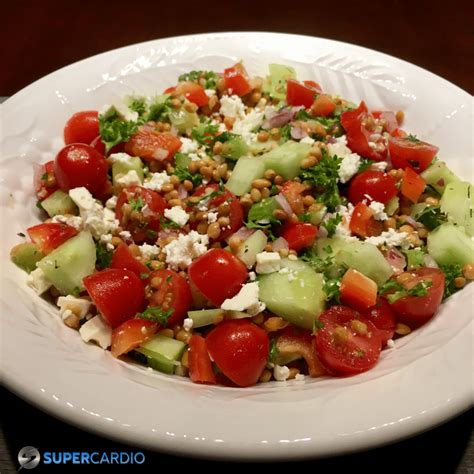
(156, 314)
(137, 204)
(114, 130)
(451, 272)
(273, 352)
(331, 224)
(103, 256)
(210, 77)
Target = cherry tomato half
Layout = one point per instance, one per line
(236, 79)
(131, 334)
(49, 236)
(299, 235)
(323, 106)
(151, 145)
(383, 318)
(123, 258)
(372, 186)
(193, 92)
(240, 350)
(411, 152)
(300, 94)
(82, 127)
(44, 180)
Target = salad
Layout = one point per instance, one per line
(237, 229)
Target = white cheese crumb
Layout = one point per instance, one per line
(379, 166)
(212, 217)
(98, 331)
(245, 300)
(148, 252)
(38, 281)
(390, 238)
(268, 262)
(188, 145)
(178, 215)
(281, 373)
(111, 203)
(379, 209)
(121, 110)
(125, 234)
(120, 158)
(183, 250)
(71, 305)
(210, 92)
(232, 106)
(252, 276)
(390, 343)
(73, 221)
(129, 179)
(188, 324)
(157, 181)
(107, 240)
(299, 378)
(349, 167)
(308, 140)
(247, 125)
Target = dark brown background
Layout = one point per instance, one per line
(38, 37)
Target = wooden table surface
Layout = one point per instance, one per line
(42, 36)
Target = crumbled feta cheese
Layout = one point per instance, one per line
(83, 199)
(232, 106)
(73, 221)
(268, 262)
(188, 324)
(71, 305)
(38, 281)
(339, 148)
(308, 140)
(212, 217)
(121, 110)
(107, 240)
(157, 181)
(188, 145)
(129, 179)
(120, 158)
(178, 215)
(247, 125)
(245, 300)
(281, 373)
(149, 251)
(379, 209)
(390, 238)
(111, 203)
(349, 167)
(252, 276)
(379, 166)
(210, 92)
(183, 250)
(299, 378)
(284, 270)
(125, 234)
(98, 331)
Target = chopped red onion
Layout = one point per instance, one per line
(243, 233)
(332, 140)
(396, 260)
(322, 232)
(280, 244)
(278, 119)
(298, 133)
(182, 193)
(429, 261)
(412, 222)
(284, 204)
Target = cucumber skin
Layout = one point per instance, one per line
(449, 244)
(436, 173)
(458, 203)
(204, 317)
(66, 266)
(162, 352)
(251, 247)
(184, 120)
(278, 73)
(25, 256)
(245, 171)
(286, 159)
(59, 203)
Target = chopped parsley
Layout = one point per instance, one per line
(205, 133)
(210, 77)
(317, 325)
(44, 176)
(451, 272)
(364, 164)
(168, 224)
(331, 224)
(261, 216)
(415, 258)
(412, 138)
(317, 263)
(103, 256)
(306, 217)
(332, 289)
(431, 217)
(156, 314)
(396, 291)
(114, 130)
(138, 104)
(285, 132)
(184, 174)
(303, 115)
(137, 204)
(273, 352)
(144, 275)
(160, 109)
(76, 292)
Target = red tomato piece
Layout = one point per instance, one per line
(193, 92)
(200, 365)
(99, 146)
(171, 292)
(344, 345)
(358, 291)
(123, 258)
(131, 334)
(417, 310)
(218, 275)
(293, 194)
(299, 235)
(372, 186)
(383, 318)
(82, 127)
(240, 349)
(236, 213)
(118, 294)
(293, 340)
(313, 85)
(236, 79)
(299, 94)
(44, 180)
(355, 124)
(80, 165)
(152, 145)
(411, 152)
(323, 106)
(413, 185)
(145, 228)
(388, 119)
(362, 222)
(48, 236)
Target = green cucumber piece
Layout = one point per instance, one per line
(286, 159)
(448, 244)
(162, 352)
(392, 206)
(315, 217)
(182, 160)
(26, 255)
(234, 148)
(245, 171)
(457, 203)
(120, 168)
(417, 209)
(438, 175)
(251, 247)
(204, 317)
(296, 296)
(275, 82)
(258, 148)
(183, 120)
(66, 266)
(59, 203)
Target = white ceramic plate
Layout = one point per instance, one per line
(424, 381)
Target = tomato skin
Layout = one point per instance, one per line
(417, 310)
(390, 118)
(193, 92)
(49, 236)
(413, 185)
(406, 152)
(118, 294)
(357, 354)
(44, 180)
(240, 349)
(236, 214)
(80, 165)
(299, 235)
(383, 318)
(323, 106)
(293, 194)
(173, 293)
(358, 291)
(236, 78)
(82, 127)
(200, 365)
(123, 258)
(358, 135)
(131, 334)
(378, 185)
(299, 94)
(152, 145)
(99, 146)
(218, 275)
(360, 219)
(141, 231)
